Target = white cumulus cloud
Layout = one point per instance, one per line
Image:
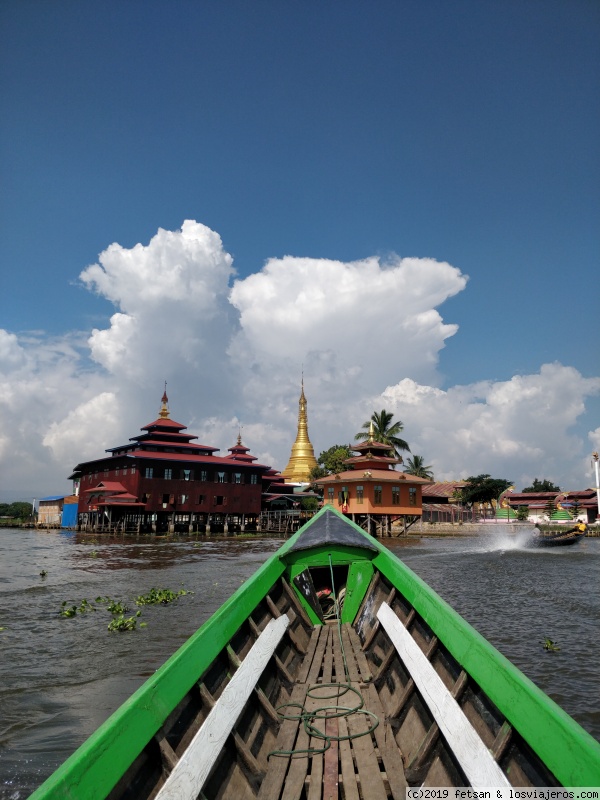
(518, 429)
(367, 334)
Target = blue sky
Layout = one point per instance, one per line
(333, 134)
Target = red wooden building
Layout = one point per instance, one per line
(372, 492)
(163, 480)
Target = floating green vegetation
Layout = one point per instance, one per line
(550, 646)
(118, 608)
(163, 596)
(113, 606)
(66, 610)
(123, 623)
(70, 611)
(94, 554)
(43, 573)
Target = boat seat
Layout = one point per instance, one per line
(475, 759)
(191, 771)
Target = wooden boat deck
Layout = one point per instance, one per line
(351, 764)
(262, 756)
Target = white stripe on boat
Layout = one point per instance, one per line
(474, 758)
(191, 771)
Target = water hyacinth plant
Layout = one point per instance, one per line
(163, 596)
(550, 646)
(123, 623)
(118, 608)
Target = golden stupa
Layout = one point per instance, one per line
(302, 459)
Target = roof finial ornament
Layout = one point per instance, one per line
(302, 458)
(164, 409)
(371, 431)
(239, 439)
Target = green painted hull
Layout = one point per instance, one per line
(568, 752)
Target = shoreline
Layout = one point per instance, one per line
(466, 529)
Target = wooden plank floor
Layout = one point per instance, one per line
(366, 765)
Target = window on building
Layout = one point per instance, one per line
(117, 471)
(105, 471)
(412, 496)
(377, 495)
(203, 475)
(187, 474)
(253, 478)
(237, 477)
(219, 500)
(360, 494)
(165, 500)
(124, 470)
(201, 499)
(330, 493)
(220, 477)
(146, 498)
(133, 469)
(168, 473)
(343, 496)
(149, 472)
(395, 495)
(183, 498)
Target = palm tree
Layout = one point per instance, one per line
(415, 466)
(385, 432)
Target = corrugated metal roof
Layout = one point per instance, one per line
(446, 507)
(383, 475)
(443, 488)
(214, 461)
(107, 487)
(165, 422)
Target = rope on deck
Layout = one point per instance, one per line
(309, 718)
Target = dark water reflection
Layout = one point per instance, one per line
(60, 678)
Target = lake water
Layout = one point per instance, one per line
(60, 678)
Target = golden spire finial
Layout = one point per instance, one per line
(371, 431)
(302, 458)
(164, 409)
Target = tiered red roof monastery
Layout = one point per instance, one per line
(164, 480)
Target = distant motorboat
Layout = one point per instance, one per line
(552, 535)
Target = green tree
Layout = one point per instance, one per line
(523, 513)
(331, 461)
(549, 508)
(542, 486)
(309, 503)
(483, 489)
(385, 432)
(416, 466)
(575, 508)
(20, 510)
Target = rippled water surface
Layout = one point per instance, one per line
(60, 678)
